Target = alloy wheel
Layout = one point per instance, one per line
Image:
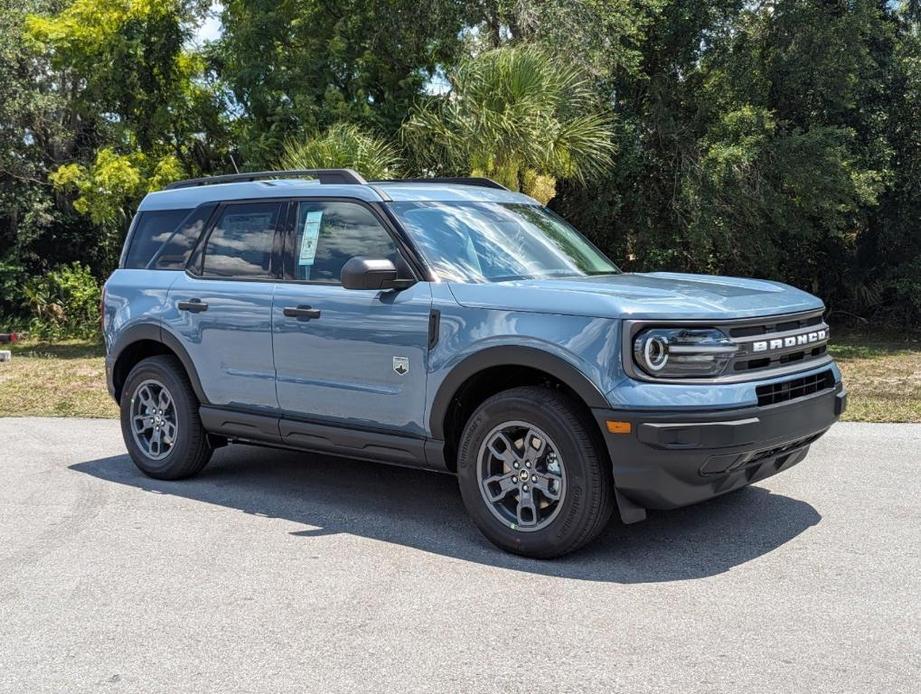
(154, 422)
(521, 474)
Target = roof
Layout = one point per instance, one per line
(397, 191)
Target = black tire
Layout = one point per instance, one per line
(587, 503)
(190, 451)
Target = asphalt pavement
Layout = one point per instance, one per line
(280, 572)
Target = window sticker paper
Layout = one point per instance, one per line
(309, 237)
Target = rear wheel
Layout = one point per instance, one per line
(531, 475)
(160, 421)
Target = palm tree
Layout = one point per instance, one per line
(343, 146)
(518, 115)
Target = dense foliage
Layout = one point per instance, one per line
(301, 66)
(343, 146)
(515, 115)
(99, 103)
(63, 303)
(776, 138)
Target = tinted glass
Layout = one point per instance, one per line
(174, 254)
(491, 242)
(328, 234)
(240, 245)
(151, 230)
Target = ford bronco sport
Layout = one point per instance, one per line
(453, 325)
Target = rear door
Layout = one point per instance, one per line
(221, 307)
(354, 358)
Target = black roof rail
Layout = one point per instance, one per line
(323, 175)
(459, 180)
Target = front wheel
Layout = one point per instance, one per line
(160, 421)
(531, 475)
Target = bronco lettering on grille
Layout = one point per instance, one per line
(791, 341)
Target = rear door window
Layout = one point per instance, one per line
(151, 230)
(240, 245)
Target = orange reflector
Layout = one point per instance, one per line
(616, 427)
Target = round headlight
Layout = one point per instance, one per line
(683, 352)
(655, 352)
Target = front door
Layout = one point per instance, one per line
(354, 358)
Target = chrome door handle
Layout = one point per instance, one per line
(301, 312)
(193, 306)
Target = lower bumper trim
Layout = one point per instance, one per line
(674, 459)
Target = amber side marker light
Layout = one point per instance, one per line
(616, 427)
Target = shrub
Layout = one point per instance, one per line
(63, 303)
(11, 281)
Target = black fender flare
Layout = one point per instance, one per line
(155, 333)
(510, 355)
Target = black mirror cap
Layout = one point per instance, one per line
(371, 273)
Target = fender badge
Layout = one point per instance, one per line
(401, 365)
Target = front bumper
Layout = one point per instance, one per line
(672, 459)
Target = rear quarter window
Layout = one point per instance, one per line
(174, 253)
(150, 231)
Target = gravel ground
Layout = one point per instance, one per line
(278, 572)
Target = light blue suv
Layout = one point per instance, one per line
(453, 325)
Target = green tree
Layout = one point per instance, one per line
(603, 37)
(343, 146)
(112, 183)
(889, 252)
(130, 79)
(135, 106)
(768, 139)
(37, 131)
(515, 114)
(305, 65)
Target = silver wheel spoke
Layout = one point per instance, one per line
(548, 484)
(534, 446)
(142, 423)
(507, 454)
(527, 509)
(146, 398)
(155, 442)
(498, 486)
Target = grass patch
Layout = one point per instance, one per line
(64, 379)
(67, 379)
(883, 379)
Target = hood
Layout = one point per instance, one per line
(654, 295)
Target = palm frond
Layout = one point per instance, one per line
(511, 111)
(343, 146)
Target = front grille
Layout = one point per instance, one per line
(795, 388)
(746, 362)
(779, 342)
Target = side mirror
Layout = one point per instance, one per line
(371, 273)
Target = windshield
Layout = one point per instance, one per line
(492, 242)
